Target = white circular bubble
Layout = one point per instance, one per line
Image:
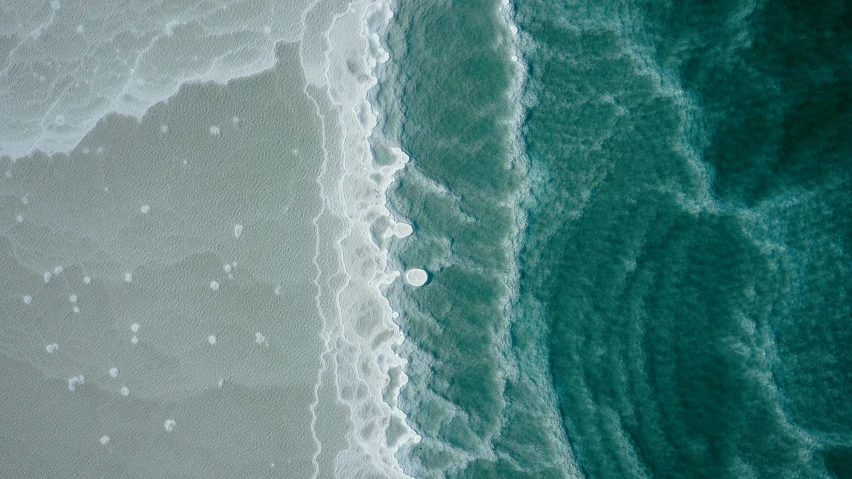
(235, 120)
(211, 339)
(72, 298)
(19, 218)
(58, 270)
(395, 314)
(227, 268)
(134, 340)
(104, 440)
(25, 200)
(145, 208)
(164, 128)
(125, 391)
(113, 372)
(416, 277)
(76, 309)
(128, 277)
(81, 29)
(260, 339)
(51, 348)
(514, 58)
(514, 30)
(214, 285)
(28, 299)
(214, 130)
(47, 276)
(87, 279)
(403, 230)
(135, 327)
(169, 425)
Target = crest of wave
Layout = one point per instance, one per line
(359, 330)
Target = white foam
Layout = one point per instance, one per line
(72, 298)
(28, 299)
(403, 230)
(128, 277)
(135, 327)
(169, 425)
(214, 130)
(145, 208)
(113, 372)
(134, 340)
(75, 382)
(87, 279)
(211, 339)
(51, 348)
(416, 277)
(124, 391)
(214, 285)
(47, 275)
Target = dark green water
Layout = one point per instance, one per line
(677, 300)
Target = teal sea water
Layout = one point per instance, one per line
(648, 275)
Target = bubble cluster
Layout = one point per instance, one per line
(76, 381)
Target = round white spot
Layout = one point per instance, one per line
(238, 230)
(104, 440)
(135, 327)
(416, 277)
(113, 372)
(80, 29)
(395, 314)
(145, 208)
(19, 218)
(76, 309)
(169, 425)
(124, 391)
(164, 128)
(514, 30)
(211, 339)
(403, 230)
(214, 285)
(214, 130)
(28, 299)
(87, 279)
(58, 270)
(51, 348)
(227, 268)
(128, 277)
(134, 340)
(260, 339)
(514, 58)
(25, 200)
(72, 298)
(99, 150)
(235, 120)
(47, 276)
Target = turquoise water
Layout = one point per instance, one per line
(655, 280)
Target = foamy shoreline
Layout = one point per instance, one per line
(359, 330)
